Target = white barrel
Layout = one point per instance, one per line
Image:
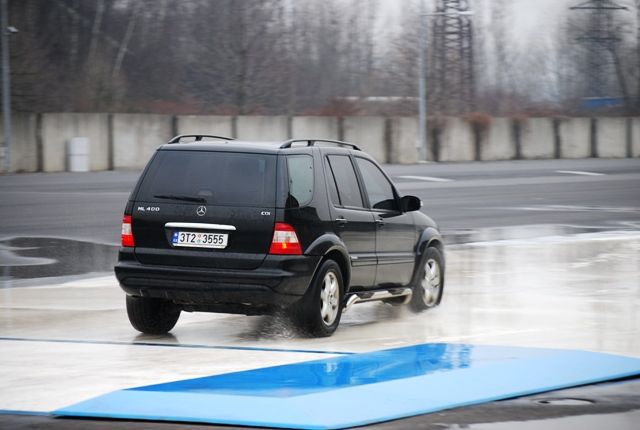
(78, 154)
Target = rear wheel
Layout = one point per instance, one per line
(152, 316)
(320, 309)
(428, 288)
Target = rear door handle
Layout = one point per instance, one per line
(341, 220)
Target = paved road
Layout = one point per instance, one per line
(604, 194)
(586, 193)
(577, 292)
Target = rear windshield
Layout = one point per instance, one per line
(218, 178)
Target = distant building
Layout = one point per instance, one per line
(605, 103)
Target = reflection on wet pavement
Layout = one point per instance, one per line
(580, 291)
(556, 291)
(527, 232)
(34, 257)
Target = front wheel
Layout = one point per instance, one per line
(152, 316)
(320, 309)
(429, 286)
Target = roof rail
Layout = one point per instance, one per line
(198, 137)
(311, 142)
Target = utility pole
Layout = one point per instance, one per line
(600, 43)
(453, 60)
(462, 89)
(423, 145)
(6, 84)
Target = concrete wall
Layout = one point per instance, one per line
(58, 128)
(136, 137)
(369, 133)
(457, 142)
(125, 141)
(611, 137)
(205, 124)
(537, 138)
(321, 127)
(24, 144)
(262, 127)
(575, 138)
(498, 143)
(404, 140)
(635, 137)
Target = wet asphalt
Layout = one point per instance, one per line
(67, 225)
(89, 206)
(75, 218)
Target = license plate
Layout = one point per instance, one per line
(199, 240)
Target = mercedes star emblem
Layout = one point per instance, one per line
(201, 210)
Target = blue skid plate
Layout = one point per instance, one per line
(360, 389)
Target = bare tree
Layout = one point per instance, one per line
(637, 63)
(279, 57)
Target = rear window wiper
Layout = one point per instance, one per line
(181, 197)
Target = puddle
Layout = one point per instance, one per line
(565, 402)
(527, 232)
(622, 421)
(34, 257)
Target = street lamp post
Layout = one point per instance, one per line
(423, 145)
(6, 84)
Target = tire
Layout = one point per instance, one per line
(429, 284)
(320, 310)
(152, 316)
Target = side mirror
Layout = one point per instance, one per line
(410, 204)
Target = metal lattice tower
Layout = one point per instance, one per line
(452, 80)
(599, 40)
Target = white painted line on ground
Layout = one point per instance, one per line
(425, 178)
(462, 338)
(572, 208)
(579, 172)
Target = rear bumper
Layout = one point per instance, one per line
(280, 281)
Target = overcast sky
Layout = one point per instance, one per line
(533, 16)
(529, 18)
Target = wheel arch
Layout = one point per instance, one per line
(430, 237)
(339, 257)
(329, 246)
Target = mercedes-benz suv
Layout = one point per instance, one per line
(309, 227)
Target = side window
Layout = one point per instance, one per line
(378, 187)
(300, 169)
(331, 180)
(348, 189)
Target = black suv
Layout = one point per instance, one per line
(310, 227)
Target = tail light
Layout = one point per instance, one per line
(285, 241)
(127, 232)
